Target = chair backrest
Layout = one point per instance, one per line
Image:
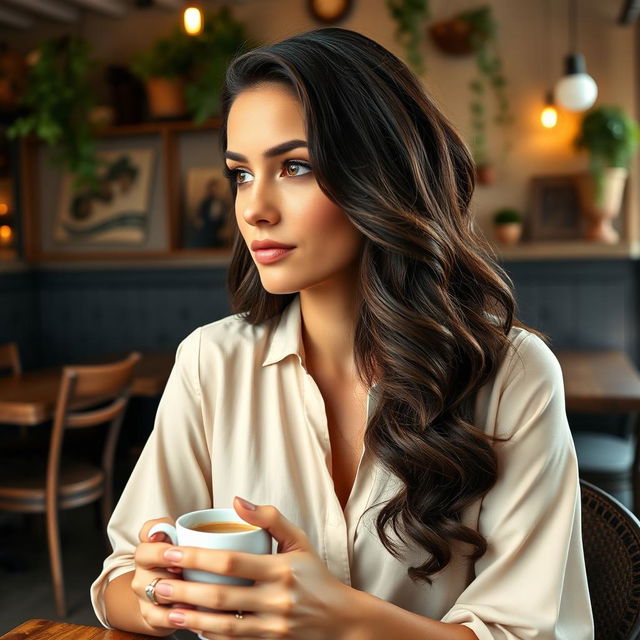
(611, 539)
(10, 359)
(90, 395)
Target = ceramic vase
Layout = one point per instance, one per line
(600, 213)
(508, 234)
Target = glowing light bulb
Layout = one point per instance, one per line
(4, 208)
(549, 117)
(192, 21)
(5, 235)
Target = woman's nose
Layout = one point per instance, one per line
(260, 208)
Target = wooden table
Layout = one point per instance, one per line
(30, 398)
(600, 382)
(48, 629)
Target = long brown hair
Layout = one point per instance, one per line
(435, 312)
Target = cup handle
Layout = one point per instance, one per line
(167, 529)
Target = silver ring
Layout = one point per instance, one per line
(150, 591)
(239, 615)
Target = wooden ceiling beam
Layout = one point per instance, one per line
(14, 18)
(50, 9)
(170, 4)
(113, 8)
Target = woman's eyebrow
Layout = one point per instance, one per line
(279, 149)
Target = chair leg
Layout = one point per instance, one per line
(106, 508)
(55, 558)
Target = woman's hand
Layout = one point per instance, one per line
(294, 595)
(150, 564)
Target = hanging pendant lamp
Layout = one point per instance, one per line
(576, 90)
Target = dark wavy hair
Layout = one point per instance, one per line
(435, 310)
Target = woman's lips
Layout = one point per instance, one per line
(272, 254)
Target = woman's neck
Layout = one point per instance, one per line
(328, 330)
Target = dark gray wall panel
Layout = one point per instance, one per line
(59, 316)
(103, 312)
(19, 315)
(580, 304)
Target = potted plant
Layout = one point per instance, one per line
(476, 32)
(409, 16)
(610, 137)
(184, 73)
(507, 224)
(163, 68)
(59, 99)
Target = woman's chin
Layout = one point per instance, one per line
(278, 289)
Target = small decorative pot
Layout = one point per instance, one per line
(485, 174)
(166, 98)
(508, 233)
(600, 214)
(452, 37)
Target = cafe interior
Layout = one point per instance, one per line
(116, 224)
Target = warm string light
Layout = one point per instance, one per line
(4, 208)
(192, 21)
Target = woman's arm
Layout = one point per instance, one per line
(176, 450)
(381, 620)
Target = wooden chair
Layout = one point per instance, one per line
(89, 396)
(611, 539)
(10, 359)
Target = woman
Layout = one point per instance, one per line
(363, 301)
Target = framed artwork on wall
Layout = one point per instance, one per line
(116, 210)
(555, 208)
(208, 215)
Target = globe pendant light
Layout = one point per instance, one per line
(576, 90)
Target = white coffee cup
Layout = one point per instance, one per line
(254, 541)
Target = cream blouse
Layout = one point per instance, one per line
(241, 416)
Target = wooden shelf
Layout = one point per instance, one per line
(168, 126)
(569, 250)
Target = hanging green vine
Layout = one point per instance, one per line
(483, 34)
(59, 98)
(410, 16)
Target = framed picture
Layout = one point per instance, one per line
(208, 220)
(115, 211)
(555, 208)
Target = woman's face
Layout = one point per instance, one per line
(298, 238)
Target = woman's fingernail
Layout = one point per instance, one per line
(173, 554)
(158, 537)
(176, 617)
(246, 504)
(164, 589)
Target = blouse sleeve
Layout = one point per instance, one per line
(172, 475)
(531, 582)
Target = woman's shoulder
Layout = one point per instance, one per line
(528, 355)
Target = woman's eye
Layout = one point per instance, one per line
(295, 168)
(242, 176)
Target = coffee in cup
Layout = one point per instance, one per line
(223, 527)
